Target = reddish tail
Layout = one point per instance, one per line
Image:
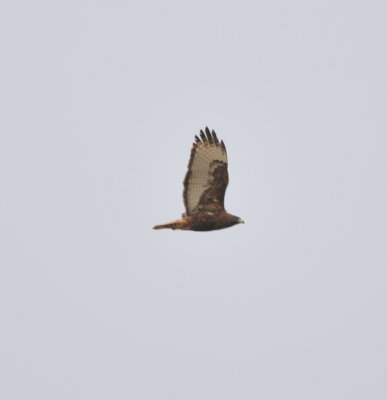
(179, 224)
(165, 226)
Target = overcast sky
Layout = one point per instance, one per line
(100, 102)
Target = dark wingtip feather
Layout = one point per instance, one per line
(197, 140)
(223, 146)
(215, 137)
(203, 136)
(209, 136)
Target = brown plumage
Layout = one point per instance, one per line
(205, 185)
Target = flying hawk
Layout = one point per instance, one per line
(204, 187)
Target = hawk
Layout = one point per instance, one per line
(205, 185)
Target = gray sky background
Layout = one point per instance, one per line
(100, 102)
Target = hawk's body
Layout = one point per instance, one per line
(204, 187)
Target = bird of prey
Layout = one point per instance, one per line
(205, 184)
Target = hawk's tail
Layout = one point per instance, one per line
(179, 224)
(165, 226)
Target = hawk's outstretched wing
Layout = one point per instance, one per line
(207, 178)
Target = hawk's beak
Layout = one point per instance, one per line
(240, 220)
